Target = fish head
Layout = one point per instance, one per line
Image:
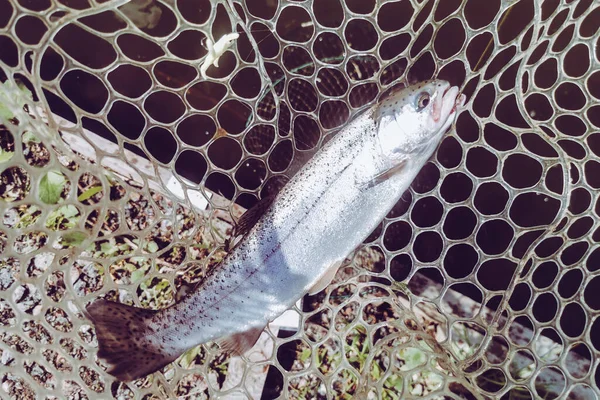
(414, 118)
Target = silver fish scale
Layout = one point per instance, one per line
(481, 282)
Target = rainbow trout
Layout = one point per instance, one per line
(324, 212)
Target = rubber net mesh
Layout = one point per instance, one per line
(123, 170)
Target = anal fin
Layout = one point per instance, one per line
(325, 280)
(239, 343)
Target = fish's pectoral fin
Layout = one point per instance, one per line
(325, 280)
(239, 343)
(251, 216)
(385, 175)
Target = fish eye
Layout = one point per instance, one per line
(423, 101)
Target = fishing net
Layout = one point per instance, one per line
(123, 171)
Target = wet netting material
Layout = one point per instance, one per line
(126, 157)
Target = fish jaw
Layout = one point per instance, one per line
(450, 102)
(438, 101)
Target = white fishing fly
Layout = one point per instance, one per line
(216, 50)
(293, 242)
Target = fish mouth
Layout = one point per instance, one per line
(451, 100)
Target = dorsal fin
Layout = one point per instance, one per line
(251, 216)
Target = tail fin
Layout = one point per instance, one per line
(124, 340)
